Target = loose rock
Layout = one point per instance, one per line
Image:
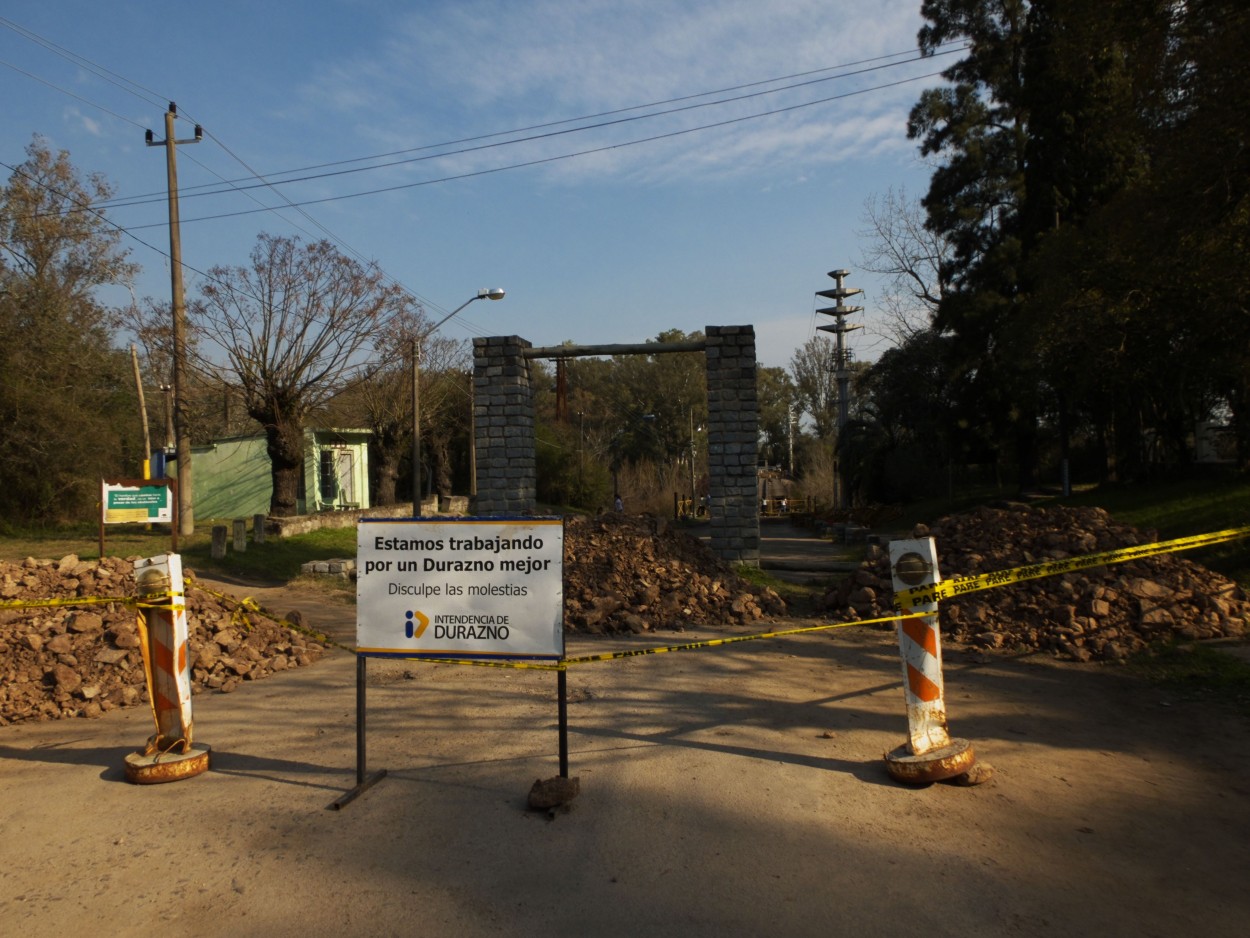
(628, 573)
(65, 661)
(1101, 613)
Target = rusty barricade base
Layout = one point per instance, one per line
(144, 769)
(947, 761)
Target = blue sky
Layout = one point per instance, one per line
(599, 235)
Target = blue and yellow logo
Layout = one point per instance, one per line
(417, 629)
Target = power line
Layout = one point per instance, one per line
(960, 45)
(125, 84)
(267, 180)
(149, 96)
(565, 156)
(67, 92)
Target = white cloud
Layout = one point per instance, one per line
(92, 126)
(487, 66)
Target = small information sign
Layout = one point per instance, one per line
(473, 587)
(128, 501)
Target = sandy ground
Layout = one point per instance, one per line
(737, 790)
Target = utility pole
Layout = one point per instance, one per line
(790, 437)
(143, 413)
(182, 440)
(841, 361)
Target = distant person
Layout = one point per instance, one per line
(618, 505)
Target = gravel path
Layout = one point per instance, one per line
(734, 791)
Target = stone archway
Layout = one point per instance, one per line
(503, 413)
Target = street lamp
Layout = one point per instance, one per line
(494, 293)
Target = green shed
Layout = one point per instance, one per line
(232, 477)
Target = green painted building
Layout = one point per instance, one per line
(232, 477)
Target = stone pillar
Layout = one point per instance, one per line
(219, 541)
(733, 443)
(503, 410)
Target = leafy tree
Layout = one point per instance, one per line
(977, 129)
(816, 387)
(1202, 196)
(653, 400)
(816, 390)
(1053, 114)
(777, 414)
(292, 331)
(66, 401)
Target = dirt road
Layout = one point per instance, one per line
(738, 790)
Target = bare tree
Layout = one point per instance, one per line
(900, 247)
(292, 331)
(384, 401)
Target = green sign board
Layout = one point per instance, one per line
(126, 502)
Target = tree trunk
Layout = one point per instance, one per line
(440, 464)
(385, 465)
(286, 456)
(1026, 451)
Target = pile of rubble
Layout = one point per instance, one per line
(623, 574)
(637, 574)
(1101, 613)
(630, 573)
(83, 660)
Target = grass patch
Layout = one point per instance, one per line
(1197, 505)
(1197, 672)
(83, 539)
(798, 596)
(278, 559)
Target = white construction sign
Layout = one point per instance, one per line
(474, 587)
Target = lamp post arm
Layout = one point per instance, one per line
(434, 328)
(492, 294)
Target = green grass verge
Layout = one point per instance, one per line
(278, 559)
(1181, 508)
(1197, 672)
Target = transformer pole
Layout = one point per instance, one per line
(182, 439)
(841, 362)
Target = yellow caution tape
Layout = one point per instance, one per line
(716, 642)
(927, 595)
(567, 663)
(78, 601)
(904, 600)
(247, 604)
(477, 663)
(147, 602)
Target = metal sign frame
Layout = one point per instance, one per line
(480, 589)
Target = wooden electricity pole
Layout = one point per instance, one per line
(182, 439)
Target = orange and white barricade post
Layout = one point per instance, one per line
(930, 754)
(162, 619)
